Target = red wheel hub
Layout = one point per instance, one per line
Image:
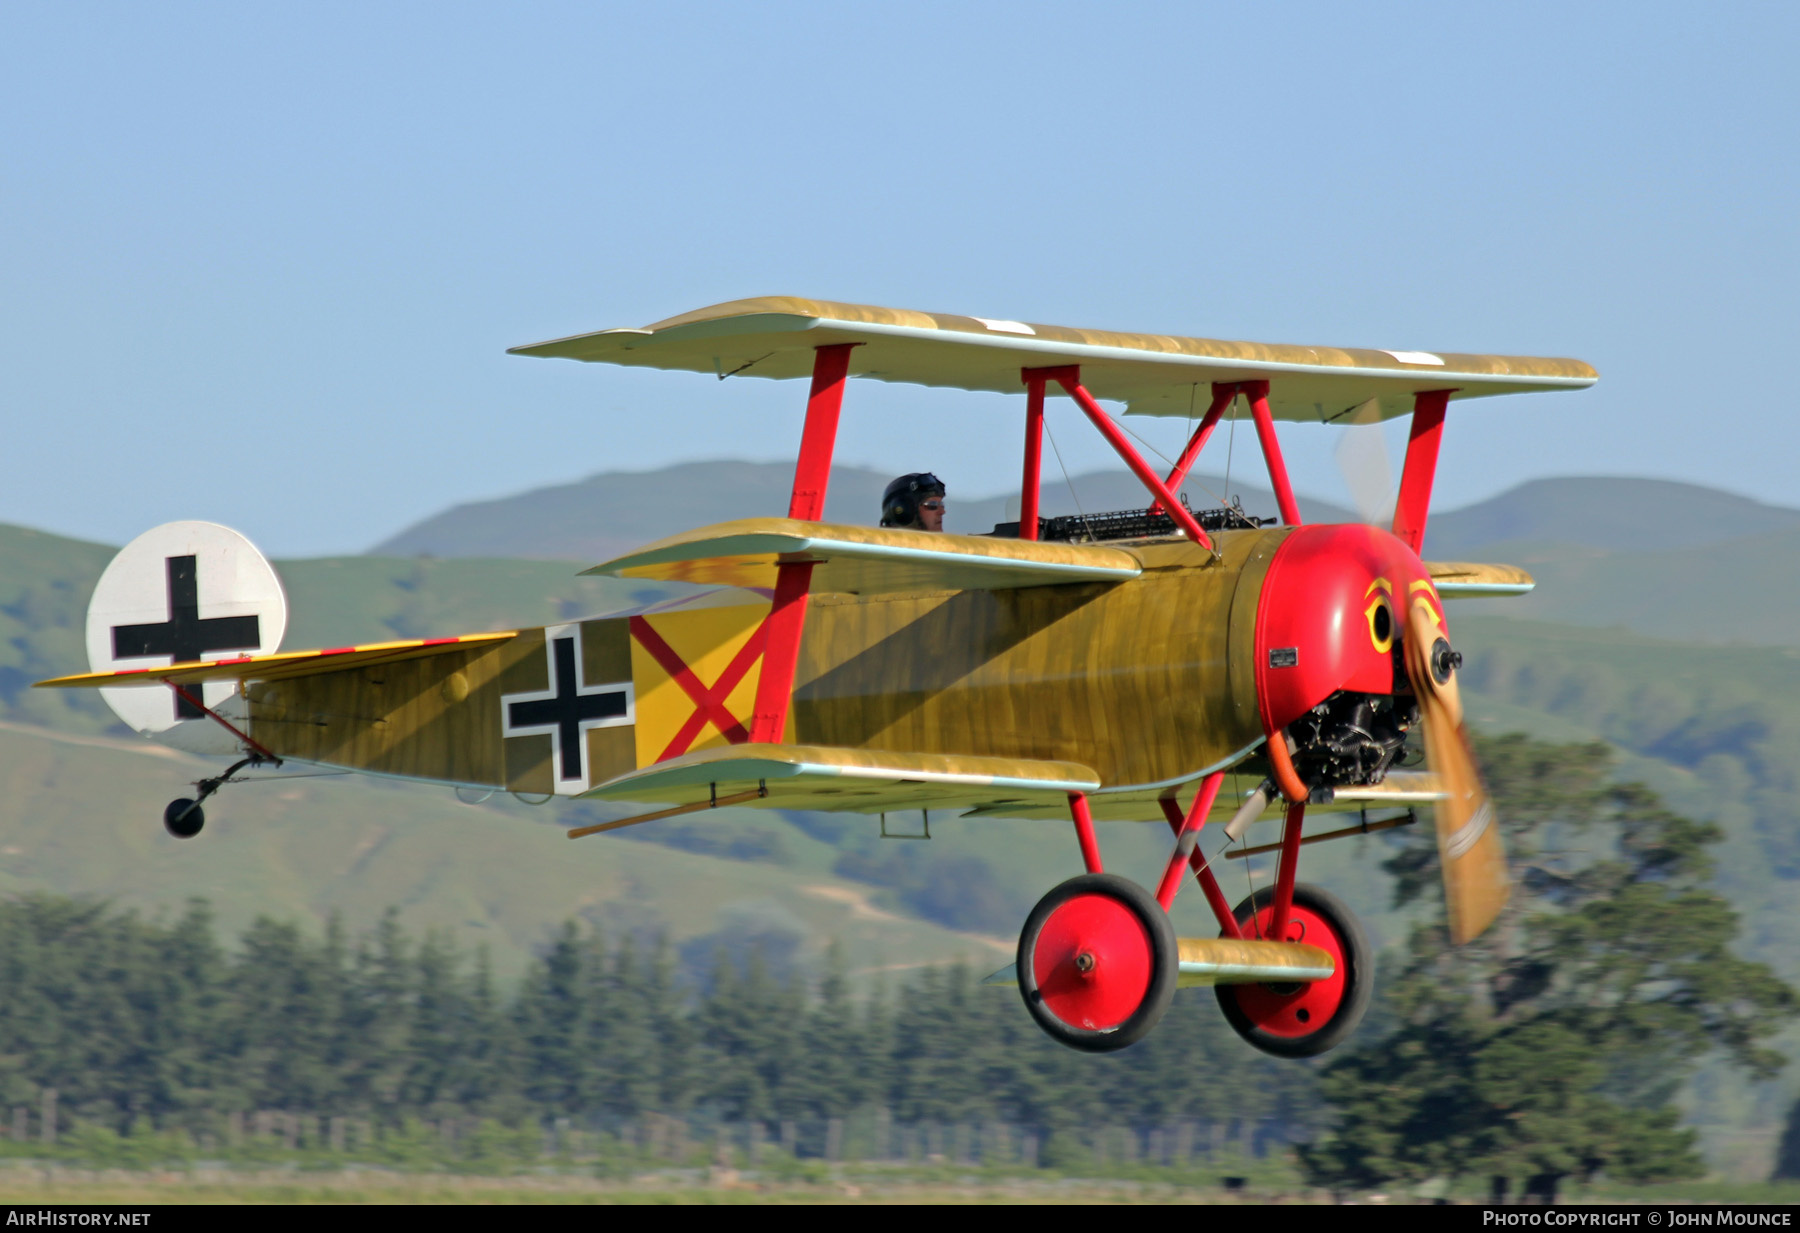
(1300, 1009)
(1093, 962)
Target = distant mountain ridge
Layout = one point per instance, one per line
(1614, 514)
(616, 511)
(612, 512)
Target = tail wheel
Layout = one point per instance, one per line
(1097, 962)
(1308, 1017)
(183, 818)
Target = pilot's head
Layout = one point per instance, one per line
(914, 501)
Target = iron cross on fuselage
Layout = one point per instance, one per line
(185, 635)
(566, 709)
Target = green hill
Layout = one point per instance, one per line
(1744, 590)
(1604, 512)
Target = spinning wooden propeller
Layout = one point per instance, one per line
(1476, 885)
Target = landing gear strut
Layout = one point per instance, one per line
(183, 818)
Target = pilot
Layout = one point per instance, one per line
(915, 502)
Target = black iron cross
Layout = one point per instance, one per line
(567, 709)
(185, 636)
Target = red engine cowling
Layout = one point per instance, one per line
(1331, 611)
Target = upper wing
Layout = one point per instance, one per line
(1155, 374)
(279, 666)
(850, 780)
(1465, 580)
(867, 560)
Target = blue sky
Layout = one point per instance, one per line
(261, 262)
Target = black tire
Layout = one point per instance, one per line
(1164, 963)
(1359, 980)
(183, 818)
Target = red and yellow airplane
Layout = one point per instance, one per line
(1163, 663)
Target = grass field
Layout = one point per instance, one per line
(365, 1187)
(847, 1184)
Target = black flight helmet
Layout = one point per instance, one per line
(900, 503)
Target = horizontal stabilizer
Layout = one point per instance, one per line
(848, 780)
(1156, 374)
(277, 667)
(1230, 961)
(1465, 580)
(867, 560)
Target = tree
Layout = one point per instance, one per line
(748, 1027)
(836, 1078)
(439, 1031)
(283, 1029)
(551, 1014)
(379, 1018)
(1551, 1047)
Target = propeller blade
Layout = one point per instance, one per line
(1362, 456)
(1476, 883)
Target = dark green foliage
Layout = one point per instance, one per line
(146, 1025)
(1552, 1045)
(112, 1011)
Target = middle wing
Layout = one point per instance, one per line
(867, 560)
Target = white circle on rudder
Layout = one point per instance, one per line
(231, 579)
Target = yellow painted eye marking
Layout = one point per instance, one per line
(1424, 595)
(1432, 613)
(1381, 584)
(1380, 608)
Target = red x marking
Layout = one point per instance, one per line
(709, 703)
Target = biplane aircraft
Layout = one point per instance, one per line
(1165, 663)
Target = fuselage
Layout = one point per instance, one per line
(1183, 669)
(1142, 680)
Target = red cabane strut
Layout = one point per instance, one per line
(1414, 501)
(793, 579)
(1069, 377)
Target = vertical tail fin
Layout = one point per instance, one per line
(181, 592)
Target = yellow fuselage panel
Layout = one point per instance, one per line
(711, 645)
(1136, 679)
(424, 718)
